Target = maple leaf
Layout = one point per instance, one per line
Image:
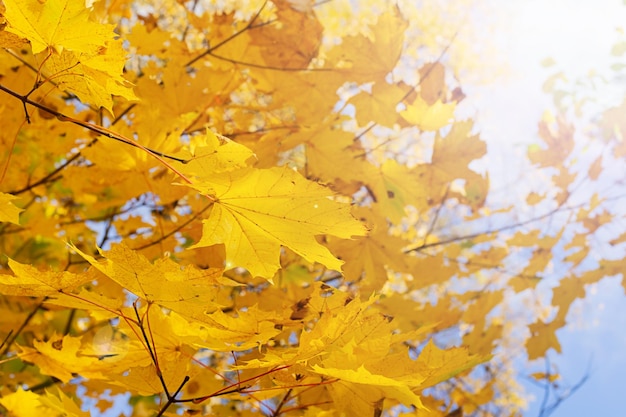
(394, 186)
(59, 25)
(209, 154)
(432, 82)
(22, 403)
(60, 357)
(439, 365)
(61, 403)
(30, 281)
(563, 296)
(428, 117)
(179, 94)
(257, 211)
(249, 329)
(143, 380)
(292, 91)
(325, 157)
(389, 387)
(371, 58)
(559, 141)
(93, 75)
(292, 41)
(380, 104)
(8, 39)
(543, 337)
(372, 254)
(8, 211)
(188, 291)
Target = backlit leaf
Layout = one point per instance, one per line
(257, 211)
(428, 117)
(59, 24)
(8, 211)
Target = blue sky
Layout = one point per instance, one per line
(578, 35)
(594, 339)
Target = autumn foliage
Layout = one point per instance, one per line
(260, 210)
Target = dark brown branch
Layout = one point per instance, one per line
(6, 338)
(90, 126)
(172, 399)
(70, 320)
(151, 350)
(177, 229)
(9, 341)
(43, 385)
(107, 229)
(282, 403)
(49, 176)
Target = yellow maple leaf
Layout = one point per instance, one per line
(432, 84)
(559, 140)
(350, 399)
(372, 254)
(8, 39)
(222, 332)
(62, 404)
(59, 357)
(426, 117)
(539, 376)
(22, 403)
(365, 58)
(394, 186)
(8, 211)
(439, 365)
(59, 287)
(188, 291)
(176, 92)
(257, 211)
(93, 74)
(380, 104)
(143, 380)
(327, 149)
(391, 388)
(293, 42)
(30, 281)
(56, 24)
(453, 152)
(209, 154)
(543, 337)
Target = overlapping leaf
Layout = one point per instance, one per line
(189, 291)
(31, 282)
(93, 75)
(257, 211)
(8, 211)
(428, 117)
(59, 25)
(85, 58)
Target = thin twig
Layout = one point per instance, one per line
(228, 39)
(97, 129)
(9, 341)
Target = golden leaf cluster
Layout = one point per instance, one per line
(241, 209)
